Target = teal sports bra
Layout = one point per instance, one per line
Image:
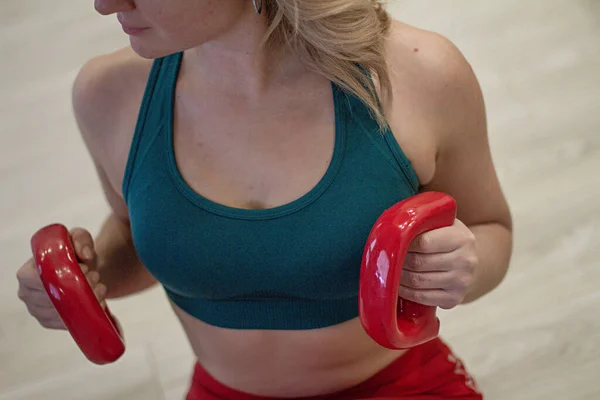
(295, 266)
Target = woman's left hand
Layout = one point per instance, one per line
(439, 267)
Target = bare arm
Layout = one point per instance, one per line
(121, 270)
(97, 104)
(439, 117)
(464, 169)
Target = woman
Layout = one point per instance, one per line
(246, 148)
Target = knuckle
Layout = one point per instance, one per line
(33, 311)
(416, 280)
(472, 258)
(469, 260)
(25, 271)
(413, 280)
(467, 281)
(467, 235)
(463, 281)
(474, 261)
(424, 241)
(471, 237)
(22, 295)
(416, 261)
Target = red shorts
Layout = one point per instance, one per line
(426, 372)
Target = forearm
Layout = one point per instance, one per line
(494, 248)
(118, 263)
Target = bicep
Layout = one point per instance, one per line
(91, 106)
(464, 164)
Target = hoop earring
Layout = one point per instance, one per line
(258, 5)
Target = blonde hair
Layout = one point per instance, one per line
(341, 39)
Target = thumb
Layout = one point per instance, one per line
(420, 244)
(84, 245)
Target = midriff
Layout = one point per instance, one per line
(287, 363)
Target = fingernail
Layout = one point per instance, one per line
(77, 246)
(88, 254)
(94, 277)
(101, 290)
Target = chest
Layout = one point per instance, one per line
(254, 156)
(310, 248)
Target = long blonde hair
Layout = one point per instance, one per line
(341, 39)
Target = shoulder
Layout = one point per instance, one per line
(106, 97)
(429, 62)
(107, 93)
(434, 93)
(437, 103)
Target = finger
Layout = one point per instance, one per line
(26, 269)
(427, 280)
(83, 243)
(440, 240)
(35, 298)
(100, 292)
(28, 276)
(84, 268)
(437, 262)
(31, 284)
(43, 313)
(93, 277)
(432, 297)
(29, 279)
(52, 324)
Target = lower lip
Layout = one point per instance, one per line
(134, 31)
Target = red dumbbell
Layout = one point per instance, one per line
(391, 321)
(93, 328)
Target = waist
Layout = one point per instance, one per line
(275, 312)
(296, 363)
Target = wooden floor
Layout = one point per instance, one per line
(536, 337)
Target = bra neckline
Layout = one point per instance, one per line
(253, 214)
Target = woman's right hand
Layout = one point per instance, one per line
(33, 294)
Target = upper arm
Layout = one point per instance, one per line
(464, 166)
(99, 107)
(440, 118)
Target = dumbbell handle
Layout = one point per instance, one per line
(391, 321)
(93, 327)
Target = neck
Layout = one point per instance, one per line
(239, 61)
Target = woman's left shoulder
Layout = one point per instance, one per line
(431, 61)
(436, 100)
(432, 79)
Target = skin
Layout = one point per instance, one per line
(436, 114)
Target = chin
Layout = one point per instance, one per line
(147, 49)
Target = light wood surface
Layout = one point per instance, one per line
(536, 337)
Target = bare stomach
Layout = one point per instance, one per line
(287, 363)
